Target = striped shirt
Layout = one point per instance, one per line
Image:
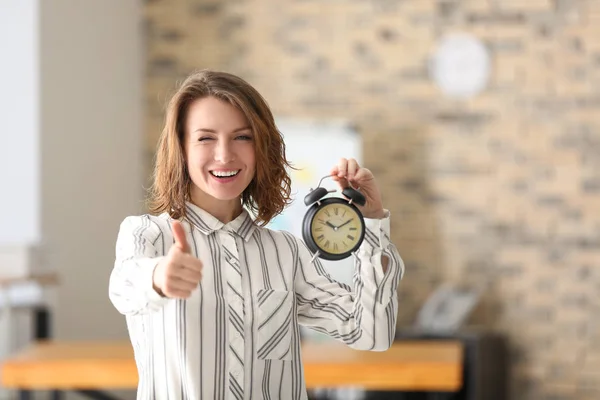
(237, 336)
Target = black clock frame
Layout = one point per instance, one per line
(307, 223)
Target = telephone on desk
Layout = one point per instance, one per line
(447, 309)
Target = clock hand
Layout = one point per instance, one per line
(331, 225)
(345, 223)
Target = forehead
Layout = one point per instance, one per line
(216, 114)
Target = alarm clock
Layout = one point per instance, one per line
(333, 228)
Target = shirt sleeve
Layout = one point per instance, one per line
(364, 317)
(130, 285)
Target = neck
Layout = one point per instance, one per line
(223, 210)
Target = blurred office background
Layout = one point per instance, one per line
(489, 164)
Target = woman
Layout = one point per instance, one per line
(213, 299)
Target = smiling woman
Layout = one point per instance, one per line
(213, 299)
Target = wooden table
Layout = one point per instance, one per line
(43, 279)
(407, 365)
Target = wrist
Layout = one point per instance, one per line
(155, 286)
(379, 214)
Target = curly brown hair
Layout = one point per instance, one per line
(269, 191)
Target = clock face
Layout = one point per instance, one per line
(337, 228)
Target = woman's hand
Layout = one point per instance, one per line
(347, 173)
(179, 273)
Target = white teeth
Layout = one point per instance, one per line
(224, 174)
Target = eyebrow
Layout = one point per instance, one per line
(208, 130)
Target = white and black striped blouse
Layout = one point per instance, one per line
(237, 336)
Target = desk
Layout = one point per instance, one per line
(91, 366)
(407, 365)
(45, 279)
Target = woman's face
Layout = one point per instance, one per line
(219, 149)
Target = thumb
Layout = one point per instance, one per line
(179, 236)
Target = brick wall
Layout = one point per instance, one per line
(501, 191)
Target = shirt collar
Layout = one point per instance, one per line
(243, 225)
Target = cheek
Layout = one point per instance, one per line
(191, 164)
(195, 160)
(195, 169)
(250, 160)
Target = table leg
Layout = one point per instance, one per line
(42, 326)
(25, 395)
(96, 395)
(42, 330)
(56, 395)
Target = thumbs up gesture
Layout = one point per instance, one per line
(179, 273)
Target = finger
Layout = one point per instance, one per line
(188, 275)
(190, 262)
(178, 294)
(334, 171)
(342, 168)
(181, 284)
(179, 236)
(175, 289)
(343, 182)
(363, 175)
(352, 168)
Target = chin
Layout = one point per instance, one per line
(220, 192)
(226, 196)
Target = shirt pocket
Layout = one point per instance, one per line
(274, 317)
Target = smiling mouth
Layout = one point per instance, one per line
(224, 174)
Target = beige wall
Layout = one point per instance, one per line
(90, 140)
(501, 191)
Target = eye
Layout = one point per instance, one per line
(244, 137)
(204, 138)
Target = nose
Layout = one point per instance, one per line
(224, 152)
